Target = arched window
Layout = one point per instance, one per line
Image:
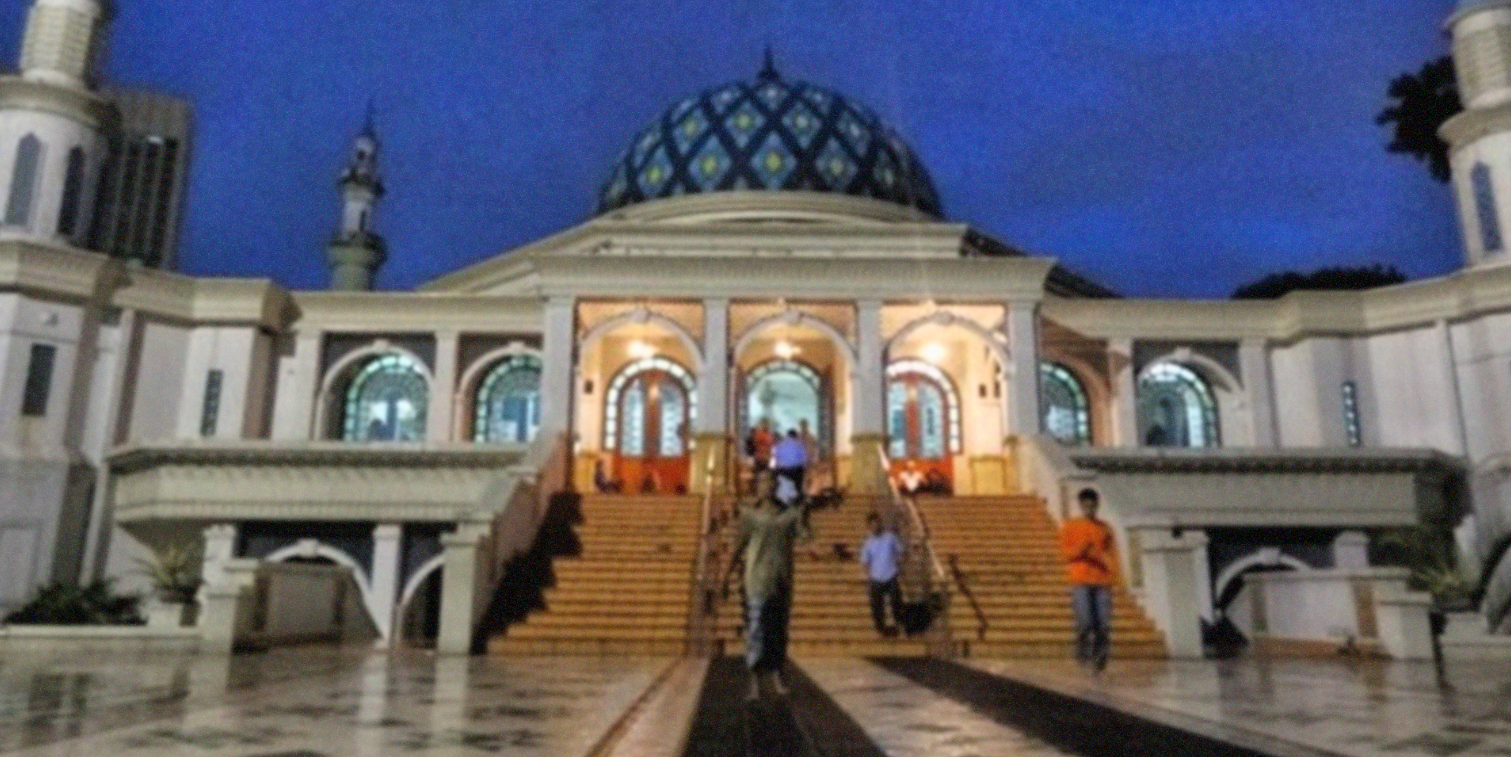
(786, 393)
(508, 401)
(23, 181)
(386, 401)
(645, 408)
(923, 412)
(1176, 408)
(1062, 400)
(1484, 207)
(73, 187)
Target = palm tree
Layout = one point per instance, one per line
(1423, 101)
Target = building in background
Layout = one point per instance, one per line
(143, 187)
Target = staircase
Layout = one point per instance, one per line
(626, 592)
(1007, 552)
(628, 589)
(831, 611)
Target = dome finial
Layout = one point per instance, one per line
(768, 69)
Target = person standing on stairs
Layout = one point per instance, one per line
(880, 556)
(764, 541)
(1090, 561)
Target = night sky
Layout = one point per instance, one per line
(1162, 147)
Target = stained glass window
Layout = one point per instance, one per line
(1176, 408)
(923, 411)
(23, 181)
(1484, 206)
(386, 401)
(673, 409)
(1062, 400)
(1351, 414)
(508, 402)
(627, 399)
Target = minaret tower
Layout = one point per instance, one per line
(356, 252)
(54, 128)
(1479, 138)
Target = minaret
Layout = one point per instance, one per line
(1479, 138)
(55, 129)
(356, 252)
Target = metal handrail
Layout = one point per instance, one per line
(917, 521)
(970, 596)
(704, 602)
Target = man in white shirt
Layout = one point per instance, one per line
(880, 556)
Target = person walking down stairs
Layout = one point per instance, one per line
(764, 541)
(880, 556)
(1090, 559)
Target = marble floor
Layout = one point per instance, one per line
(314, 703)
(1342, 706)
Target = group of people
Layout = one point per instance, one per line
(770, 528)
(791, 457)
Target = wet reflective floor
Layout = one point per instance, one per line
(314, 703)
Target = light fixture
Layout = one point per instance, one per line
(933, 352)
(785, 349)
(640, 349)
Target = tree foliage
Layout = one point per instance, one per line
(1340, 278)
(1423, 101)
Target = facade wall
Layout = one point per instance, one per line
(158, 383)
(1414, 390)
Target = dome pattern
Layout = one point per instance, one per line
(768, 134)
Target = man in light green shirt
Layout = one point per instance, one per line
(764, 540)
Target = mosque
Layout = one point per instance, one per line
(765, 249)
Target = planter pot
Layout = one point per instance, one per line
(165, 614)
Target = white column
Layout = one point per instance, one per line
(557, 377)
(441, 415)
(1124, 393)
(867, 413)
(220, 548)
(1023, 353)
(383, 588)
(1171, 591)
(713, 379)
(1254, 362)
(298, 382)
(460, 595)
(1351, 551)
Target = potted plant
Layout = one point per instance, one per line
(174, 573)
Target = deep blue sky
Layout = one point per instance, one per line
(1163, 147)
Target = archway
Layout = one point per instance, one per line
(648, 412)
(417, 620)
(923, 422)
(787, 394)
(506, 403)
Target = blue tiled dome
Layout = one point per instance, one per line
(768, 134)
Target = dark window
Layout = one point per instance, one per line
(209, 413)
(38, 380)
(23, 181)
(1484, 207)
(73, 187)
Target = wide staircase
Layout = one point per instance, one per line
(628, 589)
(1005, 552)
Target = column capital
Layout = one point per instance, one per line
(388, 531)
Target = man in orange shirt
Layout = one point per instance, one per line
(1091, 564)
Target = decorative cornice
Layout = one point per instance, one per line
(1255, 460)
(428, 312)
(79, 105)
(135, 457)
(1469, 125)
(54, 269)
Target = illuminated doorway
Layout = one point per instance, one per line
(648, 413)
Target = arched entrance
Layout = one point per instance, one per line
(788, 394)
(923, 420)
(648, 412)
